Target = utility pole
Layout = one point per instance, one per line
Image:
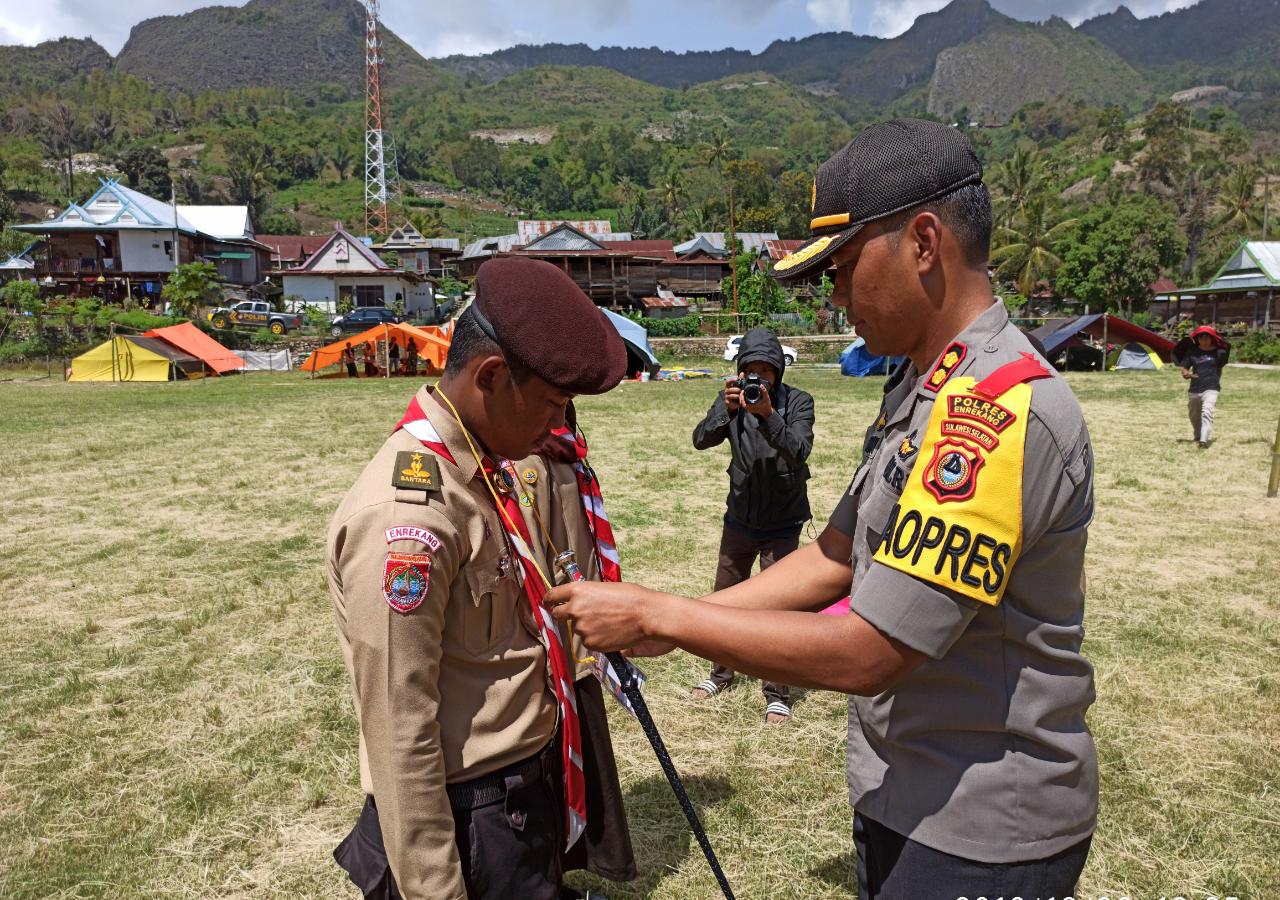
(733, 255)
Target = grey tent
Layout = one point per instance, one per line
(640, 356)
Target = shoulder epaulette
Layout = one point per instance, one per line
(1027, 368)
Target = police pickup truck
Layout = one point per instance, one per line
(254, 314)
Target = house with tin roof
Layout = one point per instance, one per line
(121, 240)
(345, 268)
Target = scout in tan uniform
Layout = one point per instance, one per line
(471, 752)
(961, 538)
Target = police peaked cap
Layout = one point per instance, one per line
(542, 320)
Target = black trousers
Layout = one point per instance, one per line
(894, 867)
(509, 847)
(738, 552)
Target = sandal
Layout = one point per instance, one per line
(704, 690)
(777, 713)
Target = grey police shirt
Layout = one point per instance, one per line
(982, 751)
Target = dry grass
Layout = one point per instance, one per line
(174, 718)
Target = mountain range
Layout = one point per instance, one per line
(964, 57)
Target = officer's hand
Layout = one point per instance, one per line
(733, 396)
(607, 616)
(763, 409)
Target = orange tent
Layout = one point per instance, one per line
(194, 342)
(432, 343)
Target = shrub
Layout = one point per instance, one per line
(1257, 347)
(685, 326)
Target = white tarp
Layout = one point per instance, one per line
(266, 360)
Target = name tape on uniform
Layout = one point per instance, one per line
(413, 533)
(958, 523)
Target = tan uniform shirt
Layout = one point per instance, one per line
(969, 520)
(455, 688)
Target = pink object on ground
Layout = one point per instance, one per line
(839, 608)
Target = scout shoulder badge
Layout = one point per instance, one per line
(416, 471)
(958, 523)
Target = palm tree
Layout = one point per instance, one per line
(1195, 197)
(1018, 180)
(718, 150)
(703, 217)
(1026, 254)
(673, 192)
(342, 160)
(1240, 210)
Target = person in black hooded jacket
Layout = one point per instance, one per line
(768, 499)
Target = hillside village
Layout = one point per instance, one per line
(629, 168)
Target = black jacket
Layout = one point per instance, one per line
(768, 473)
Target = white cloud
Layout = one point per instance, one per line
(831, 15)
(107, 22)
(891, 19)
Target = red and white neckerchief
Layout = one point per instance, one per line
(415, 422)
(593, 505)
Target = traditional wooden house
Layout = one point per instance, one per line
(120, 240)
(426, 256)
(1243, 292)
(288, 251)
(344, 268)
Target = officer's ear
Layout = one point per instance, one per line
(923, 234)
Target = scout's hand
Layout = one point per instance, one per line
(733, 396)
(607, 616)
(1186, 374)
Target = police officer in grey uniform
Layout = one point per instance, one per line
(961, 537)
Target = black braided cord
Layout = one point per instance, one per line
(632, 690)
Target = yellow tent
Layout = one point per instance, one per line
(134, 358)
(432, 344)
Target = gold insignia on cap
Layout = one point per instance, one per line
(813, 201)
(804, 254)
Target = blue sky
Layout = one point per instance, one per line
(480, 26)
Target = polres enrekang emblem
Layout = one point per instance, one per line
(952, 473)
(405, 580)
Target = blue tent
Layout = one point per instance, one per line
(855, 360)
(639, 354)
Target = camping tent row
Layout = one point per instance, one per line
(161, 354)
(432, 344)
(1130, 346)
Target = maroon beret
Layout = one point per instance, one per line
(541, 319)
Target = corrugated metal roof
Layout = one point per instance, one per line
(531, 229)
(225, 222)
(751, 240)
(487, 246)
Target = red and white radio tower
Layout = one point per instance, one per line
(380, 172)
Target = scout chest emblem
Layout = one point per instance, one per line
(952, 473)
(907, 448)
(416, 471)
(405, 580)
(530, 476)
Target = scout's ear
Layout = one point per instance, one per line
(489, 374)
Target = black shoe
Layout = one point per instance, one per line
(1204, 445)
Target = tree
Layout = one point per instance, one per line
(1239, 209)
(1025, 254)
(248, 165)
(1017, 179)
(342, 160)
(280, 223)
(1194, 198)
(1167, 128)
(6, 202)
(1116, 250)
(190, 286)
(103, 127)
(718, 150)
(147, 170)
(1112, 124)
(63, 133)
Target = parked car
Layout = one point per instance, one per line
(362, 319)
(253, 314)
(789, 354)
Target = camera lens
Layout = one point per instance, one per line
(751, 394)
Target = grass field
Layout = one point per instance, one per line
(175, 718)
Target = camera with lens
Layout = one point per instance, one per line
(753, 389)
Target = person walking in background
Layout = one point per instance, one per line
(770, 437)
(349, 360)
(1202, 361)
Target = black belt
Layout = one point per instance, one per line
(493, 787)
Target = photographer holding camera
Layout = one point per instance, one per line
(769, 426)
